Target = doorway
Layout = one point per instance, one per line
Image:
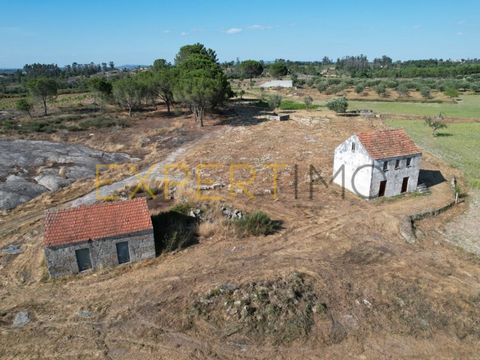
(123, 254)
(383, 186)
(404, 184)
(83, 259)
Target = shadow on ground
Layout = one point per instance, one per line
(173, 231)
(430, 177)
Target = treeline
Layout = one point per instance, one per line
(361, 67)
(384, 67)
(53, 70)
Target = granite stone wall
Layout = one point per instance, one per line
(61, 260)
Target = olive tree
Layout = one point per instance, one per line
(128, 93)
(43, 89)
(338, 105)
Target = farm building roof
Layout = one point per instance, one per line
(384, 144)
(95, 222)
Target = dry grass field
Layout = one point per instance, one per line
(336, 279)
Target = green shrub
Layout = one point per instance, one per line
(359, 88)
(338, 105)
(256, 224)
(182, 208)
(274, 101)
(425, 91)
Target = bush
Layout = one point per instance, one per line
(338, 105)
(451, 92)
(182, 208)
(381, 89)
(360, 88)
(256, 224)
(402, 89)
(322, 86)
(274, 101)
(308, 100)
(425, 92)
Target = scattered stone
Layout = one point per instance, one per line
(212, 187)
(282, 308)
(21, 319)
(232, 213)
(85, 314)
(12, 249)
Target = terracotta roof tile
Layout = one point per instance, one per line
(384, 144)
(96, 222)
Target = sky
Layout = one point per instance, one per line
(140, 31)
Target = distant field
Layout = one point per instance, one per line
(468, 108)
(458, 146)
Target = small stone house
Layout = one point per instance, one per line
(98, 236)
(378, 163)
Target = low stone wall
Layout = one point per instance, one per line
(407, 226)
(61, 260)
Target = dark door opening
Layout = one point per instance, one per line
(122, 252)
(404, 184)
(383, 186)
(83, 259)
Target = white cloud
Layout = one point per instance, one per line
(259, 27)
(416, 27)
(232, 31)
(459, 33)
(166, 31)
(183, 33)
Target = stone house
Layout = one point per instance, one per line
(98, 236)
(378, 163)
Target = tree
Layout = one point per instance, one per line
(241, 93)
(186, 51)
(251, 68)
(278, 69)
(24, 105)
(100, 87)
(308, 100)
(201, 83)
(128, 92)
(43, 89)
(164, 79)
(425, 91)
(451, 92)
(338, 105)
(436, 123)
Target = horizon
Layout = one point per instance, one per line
(63, 33)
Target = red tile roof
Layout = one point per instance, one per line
(384, 144)
(96, 222)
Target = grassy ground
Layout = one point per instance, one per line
(458, 144)
(469, 107)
